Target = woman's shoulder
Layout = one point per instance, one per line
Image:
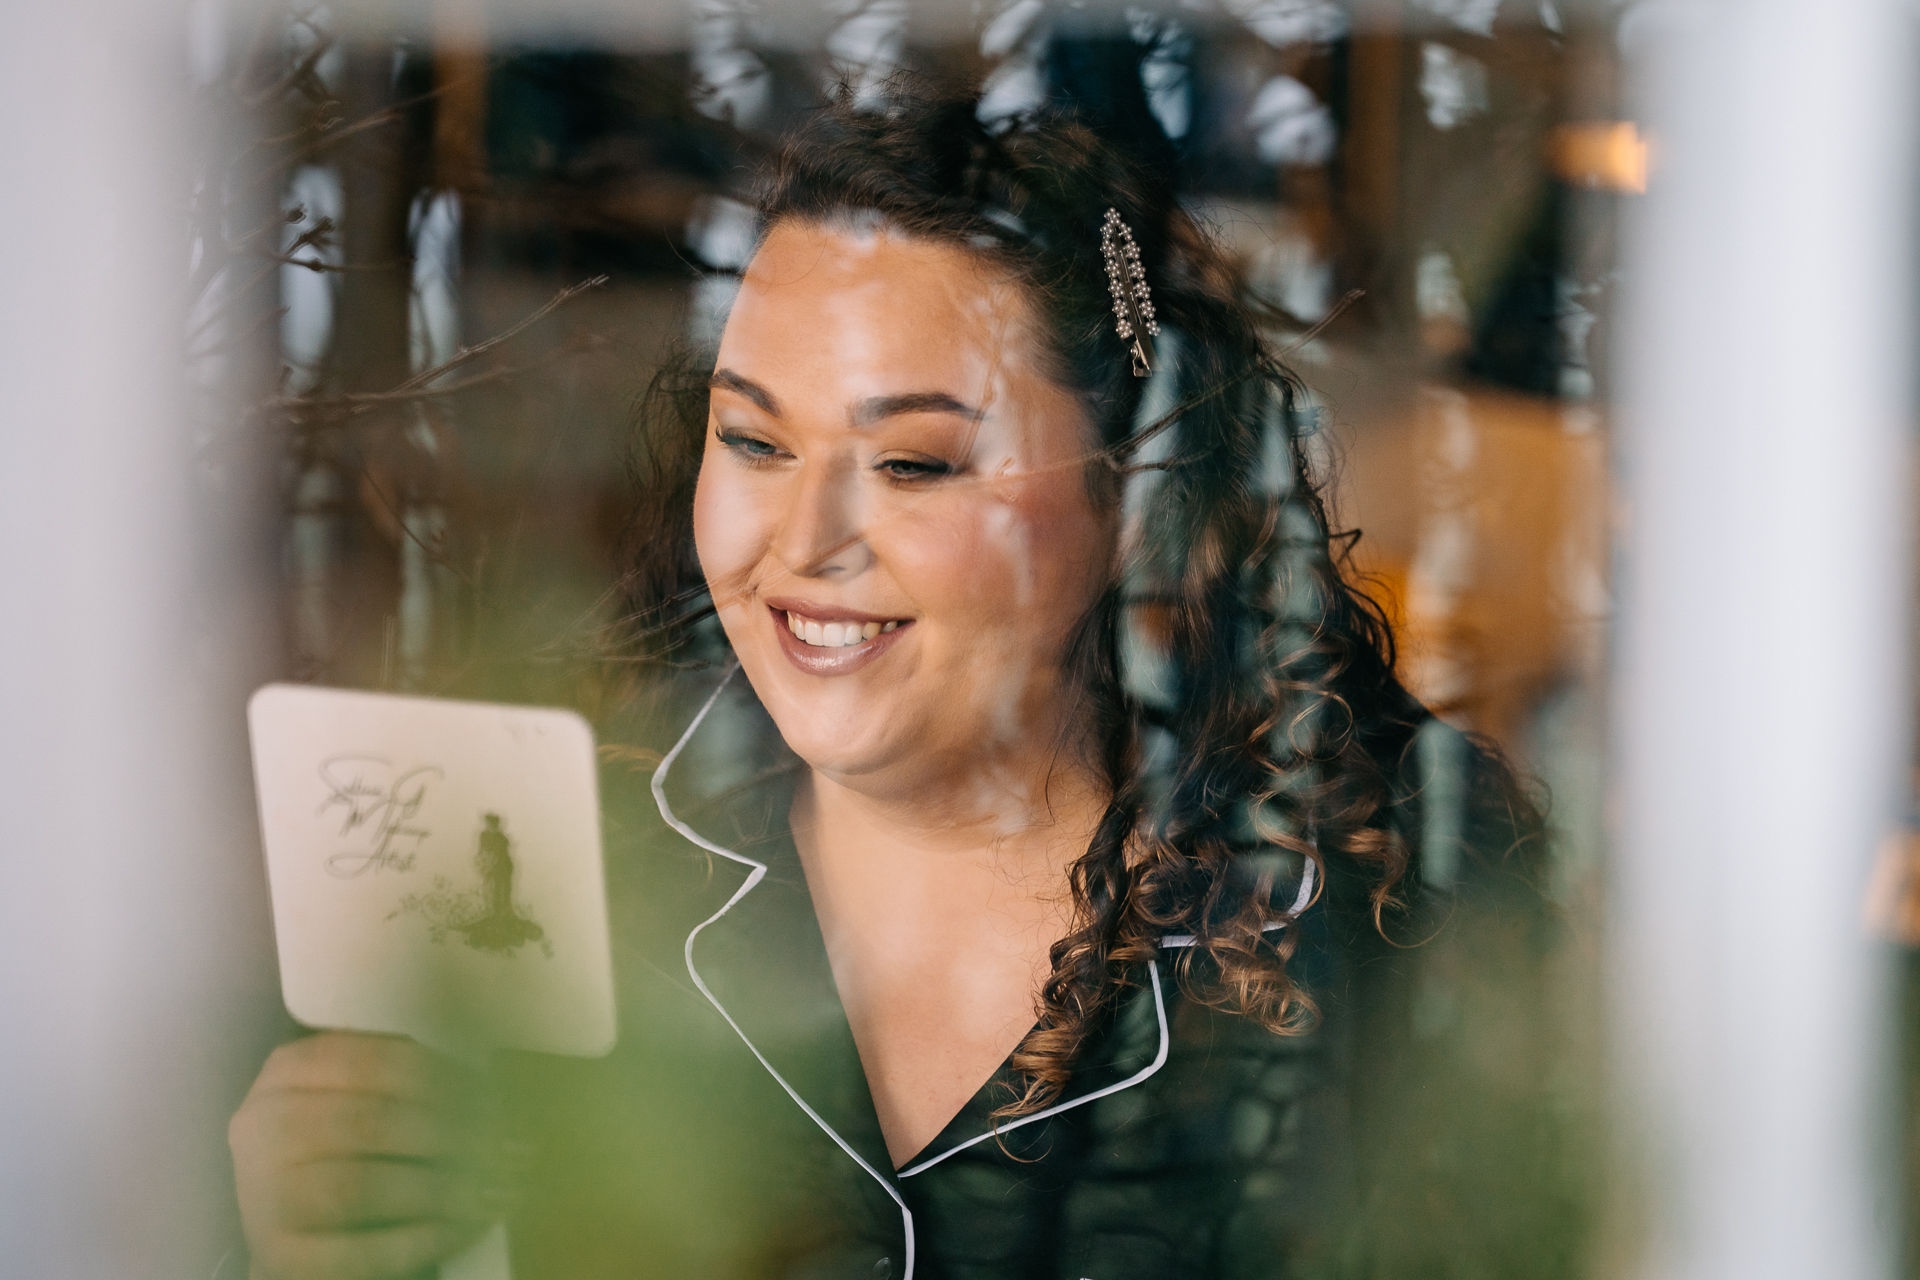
(1473, 828)
(1468, 912)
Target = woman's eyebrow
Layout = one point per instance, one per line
(728, 380)
(871, 410)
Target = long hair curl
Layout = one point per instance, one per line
(1238, 683)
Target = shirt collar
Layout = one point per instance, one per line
(761, 962)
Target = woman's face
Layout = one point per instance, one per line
(892, 510)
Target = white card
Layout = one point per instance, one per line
(436, 868)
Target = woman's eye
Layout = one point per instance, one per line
(913, 468)
(750, 447)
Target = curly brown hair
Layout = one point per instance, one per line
(1238, 682)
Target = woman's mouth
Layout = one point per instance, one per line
(835, 635)
(822, 640)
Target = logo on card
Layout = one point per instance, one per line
(376, 806)
(485, 917)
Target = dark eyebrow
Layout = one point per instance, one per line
(870, 411)
(728, 380)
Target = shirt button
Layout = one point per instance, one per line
(883, 1269)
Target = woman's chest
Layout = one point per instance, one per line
(937, 965)
(934, 1016)
(779, 1117)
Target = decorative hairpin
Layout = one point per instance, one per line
(1132, 302)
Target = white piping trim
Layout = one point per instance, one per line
(753, 878)
(1159, 1060)
(1300, 901)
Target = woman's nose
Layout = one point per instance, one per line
(822, 531)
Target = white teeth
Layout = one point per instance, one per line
(835, 635)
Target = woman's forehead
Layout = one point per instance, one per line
(853, 289)
(854, 244)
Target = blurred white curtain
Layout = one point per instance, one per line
(1763, 673)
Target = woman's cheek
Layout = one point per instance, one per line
(951, 562)
(1007, 555)
(1045, 535)
(1059, 514)
(724, 531)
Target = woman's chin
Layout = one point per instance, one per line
(840, 760)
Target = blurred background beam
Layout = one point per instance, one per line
(135, 986)
(1761, 741)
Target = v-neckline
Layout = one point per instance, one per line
(975, 1115)
(769, 974)
(795, 1019)
(779, 915)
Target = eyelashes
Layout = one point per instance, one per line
(753, 451)
(910, 469)
(749, 449)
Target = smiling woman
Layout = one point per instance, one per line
(849, 485)
(1072, 930)
(1130, 718)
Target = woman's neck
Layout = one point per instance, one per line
(938, 917)
(1000, 815)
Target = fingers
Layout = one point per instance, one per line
(386, 1253)
(337, 1094)
(362, 1195)
(390, 1065)
(357, 1157)
(308, 1124)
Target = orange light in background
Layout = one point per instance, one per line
(1608, 154)
(1892, 908)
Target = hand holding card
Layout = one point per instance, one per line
(436, 872)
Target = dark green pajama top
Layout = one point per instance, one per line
(731, 1132)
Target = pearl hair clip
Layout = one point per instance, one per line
(1132, 302)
